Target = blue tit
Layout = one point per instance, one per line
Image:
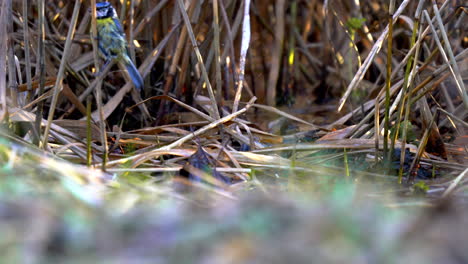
(112, 43)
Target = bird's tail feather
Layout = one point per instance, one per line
(134, 75)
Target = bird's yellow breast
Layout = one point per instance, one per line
(104, 21)
(111, 39)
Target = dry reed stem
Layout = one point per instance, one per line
(209, 88)
(3, 55)
(277, 53)
(243, 54)
(60, 75)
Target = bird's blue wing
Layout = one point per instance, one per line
(118, 25)
(103, 50)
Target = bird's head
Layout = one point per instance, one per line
(104, 10)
